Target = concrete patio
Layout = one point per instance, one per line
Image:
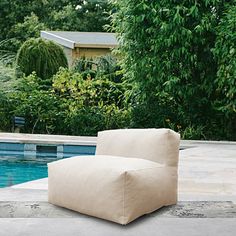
(207, 202)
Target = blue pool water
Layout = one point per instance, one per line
(16, 168)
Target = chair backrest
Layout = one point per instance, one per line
(158, 145)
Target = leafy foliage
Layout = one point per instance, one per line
(20, 21)
(84, 16)
(225, 51)
(91, 105)
(89, 92)
(86, 67)
(71, 106)
(6, 110)
(7, 69)
(105, 66)
(42, 56)
(167, 49)
(178, 58)
(22, 31)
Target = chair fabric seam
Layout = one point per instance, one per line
(148, 168)
(124, 195)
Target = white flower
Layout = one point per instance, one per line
(78, 7)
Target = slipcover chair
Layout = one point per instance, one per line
(134, 172)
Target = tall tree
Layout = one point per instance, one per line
(167, 49)
(87, 15)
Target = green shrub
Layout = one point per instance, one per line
(88, 120)
(193, 132)
(8, 80)
(6, 111)
(22, 31)
(86, 67)
(72, 106)
(39, 107)
(7, 68)
(91, 92)
(42, 56)
(91, 105)
(105, 67)
(108, 67)
(225, 52)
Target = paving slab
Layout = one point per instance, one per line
(22, 195)
(200, 209)
(151, 226)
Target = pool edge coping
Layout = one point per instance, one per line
(83, 140)
(47, 139)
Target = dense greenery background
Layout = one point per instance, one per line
(21, 20)
(181, 54)
(176, 68)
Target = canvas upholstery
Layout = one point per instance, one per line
(158, 145)
(112, 186)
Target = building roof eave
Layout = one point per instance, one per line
(60, 40)
(109, 46)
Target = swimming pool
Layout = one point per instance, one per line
(19, 166)
(16, 170)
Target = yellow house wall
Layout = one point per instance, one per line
(90, 52)
(93, 52)
(73, 54)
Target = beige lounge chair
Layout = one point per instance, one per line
(134, 172)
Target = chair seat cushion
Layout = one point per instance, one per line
(114, 188)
